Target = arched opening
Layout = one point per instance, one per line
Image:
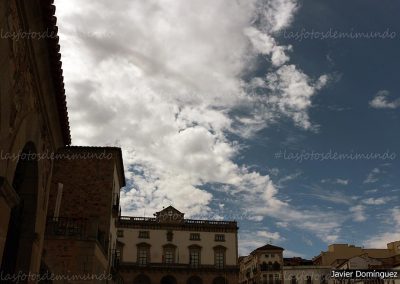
(194, 280)
(142, 279)
(220, 280)
(168, 280)
(21, 227)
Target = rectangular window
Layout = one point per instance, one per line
(143, 253)
(169, 255)
(194, 258)
(195, 237)
(272, 255)
(219, 259)
(120, 233)
(144, 234)
(220, 238)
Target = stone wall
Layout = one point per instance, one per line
(28, 112)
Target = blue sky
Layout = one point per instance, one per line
(210, 101)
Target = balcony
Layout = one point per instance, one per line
(178, 267)
(77, 229)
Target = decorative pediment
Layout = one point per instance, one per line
(169, 215)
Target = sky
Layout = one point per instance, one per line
(282, 114)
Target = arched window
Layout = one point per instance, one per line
(308, 279)
(293, 280)
(264, 266)
(276, 266)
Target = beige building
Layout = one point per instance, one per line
(81, 237)
(263, 265)
(338, 253)
(170, 249)
(33, 121)
(307, 274)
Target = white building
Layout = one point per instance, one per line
(171, 249)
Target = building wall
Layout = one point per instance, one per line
(182, 277)
(87, 185)
(75, 258)
(250, 266)
(345, 251)
(28, 114)
(302, 272)
(91, 182)
(182, 240)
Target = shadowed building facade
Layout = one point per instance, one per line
(170, 249)
(81, 237)
(33, 120)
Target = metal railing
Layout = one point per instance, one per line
(76, 228)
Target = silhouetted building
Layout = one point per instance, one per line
(81, 237)
(33, 121)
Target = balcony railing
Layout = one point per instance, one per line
(125, 219)
(77, 228)
(178, 266)
(67, 227)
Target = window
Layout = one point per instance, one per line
(143, 254)
(267, 255)
(219, 238)
(144, 234)
(219, 255)
(195, 237)
(120, 233)
(293, 280)
(272, 255)
(194, 258)
(308, 280)
(169, 254)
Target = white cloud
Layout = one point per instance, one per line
(164, 79)
(336, 181)
(381, 101)
(390, 235)
(358, 212)
(270, 235)
(372, 176)
(377, 201)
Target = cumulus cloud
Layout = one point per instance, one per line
(381, 101)
(164, 80)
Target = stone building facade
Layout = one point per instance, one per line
(170, 249)
(81, 236)
(263, 265)
(33, 120)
